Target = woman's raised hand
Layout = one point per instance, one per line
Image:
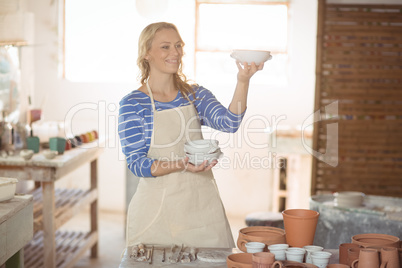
(246, 71)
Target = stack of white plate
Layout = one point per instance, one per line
(200, 150)
(348, 199)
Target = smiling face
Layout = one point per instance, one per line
(166, 52)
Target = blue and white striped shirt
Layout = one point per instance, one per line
(136, 123)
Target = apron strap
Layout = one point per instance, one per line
(152, 97)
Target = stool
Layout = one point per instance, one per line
(273, 219)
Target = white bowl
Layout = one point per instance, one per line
(49, 154)
(7, 188)
(199, 158)
(348, 199)
(201, 146)
(249, 56)
(26, 154)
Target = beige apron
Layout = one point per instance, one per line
(181, 207)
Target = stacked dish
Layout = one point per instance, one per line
(199, 151)
(349, 199)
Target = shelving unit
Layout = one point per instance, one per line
(52, 207)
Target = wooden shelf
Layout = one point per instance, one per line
(14, 43)
(68, 203)
(70, 246)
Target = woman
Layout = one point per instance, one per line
(175, 202)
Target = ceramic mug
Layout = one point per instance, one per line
(389, 258)
(353, 254)
(400, 256)
(33, 144)
(343, 252)
(279, 251)
(265, 260)
(310, 249)
(254, 247)
(57, 144)
(321, 258)
(368, 258)
(295, 254)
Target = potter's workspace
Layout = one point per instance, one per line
(200, 133)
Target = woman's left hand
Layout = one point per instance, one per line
(246, 71)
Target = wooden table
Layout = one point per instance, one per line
(54, 207)
(128, 262)
(16, 229)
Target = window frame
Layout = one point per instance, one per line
(232, 2)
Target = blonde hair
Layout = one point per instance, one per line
(144, 45)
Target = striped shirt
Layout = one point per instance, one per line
(136, 123)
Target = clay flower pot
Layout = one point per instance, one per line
(389, 258)
(240, 260)
(263, 234)
(300, 225)
(376, 240)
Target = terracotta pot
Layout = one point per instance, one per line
(389, 258)
(240, 260)
(338, 265)
(265, 260)
(353, 254)
(300, 225)
(264, 234)
(376, 240)
(400, 256)
(343, 251)
(368, 258)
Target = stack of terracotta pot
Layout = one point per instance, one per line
(371, 251)
(364, 251)
(300, 226)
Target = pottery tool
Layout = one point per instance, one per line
(192, 253)
(171, 252)
(163, 255)
(134, 252)
(148, 254)
(185, 258)
(151, 254)
(141, 248)
(179, 254)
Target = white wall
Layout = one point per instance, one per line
(237, 187)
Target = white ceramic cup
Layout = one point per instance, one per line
(295, 254)
(310, 249)
(279, 251)
(254, 247)
(321, 258)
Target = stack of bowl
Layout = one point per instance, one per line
(200, 150)
(348, 199)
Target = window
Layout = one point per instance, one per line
(100, 38)
(225, 25)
